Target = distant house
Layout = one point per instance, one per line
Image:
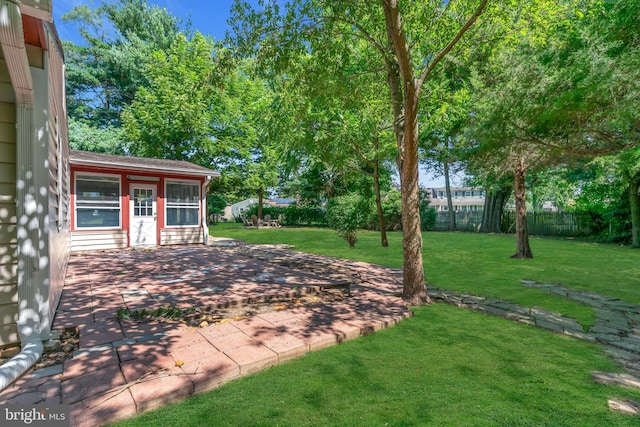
(281, 202)
(464, 199)
(234, 211)
(124, 201)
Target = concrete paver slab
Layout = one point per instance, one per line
(252, 357)
(89, 362)
(78, 388)
(125, 367)
(161, 388)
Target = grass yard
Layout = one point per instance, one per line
(481, 264)
(445, 366)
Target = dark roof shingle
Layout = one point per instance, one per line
(113, 161)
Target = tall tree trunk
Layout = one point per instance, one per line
(447, 184)
(414, 291)
(381, 223)
(523, 250)
(493, 210)
(634, 201)
(404, 98)
(260, 201)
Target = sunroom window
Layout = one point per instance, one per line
(97, 201)
(183, 203)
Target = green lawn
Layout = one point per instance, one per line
(481, 264)
(445, 366)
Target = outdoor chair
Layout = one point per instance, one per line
(246, 222)
(276, 222)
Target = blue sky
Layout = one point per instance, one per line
(207, 16)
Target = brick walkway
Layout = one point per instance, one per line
(125, 367)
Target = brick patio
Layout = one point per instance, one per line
(125, 367)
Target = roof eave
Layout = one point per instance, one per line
(115, 165)
(41, 9)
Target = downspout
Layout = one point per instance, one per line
(205, 228)
(28, 323)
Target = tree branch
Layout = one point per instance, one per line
(451, 44)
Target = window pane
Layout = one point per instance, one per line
(143, 202)
(183, 204)
(182, 216)
(98, 218)
(182, 194)
(97, 201)
(103, 190)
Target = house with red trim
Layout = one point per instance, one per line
(123, 201)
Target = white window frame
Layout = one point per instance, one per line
(168, 205)
(80, 175)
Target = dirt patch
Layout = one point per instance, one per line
(60, 349)
(57, 349)
(211, 316)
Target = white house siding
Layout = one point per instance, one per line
(58, 177)
(463, 199)
(50, 141)
(98, 240)
(181, 236)
(240, 207)
(8, 238)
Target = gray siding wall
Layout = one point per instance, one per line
(181, 236)
(58, 178)
(50, 144)
(8, 238)
(98, 240)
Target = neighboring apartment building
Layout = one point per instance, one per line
(464, 199)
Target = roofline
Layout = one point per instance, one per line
(40, 10)
(116, 165)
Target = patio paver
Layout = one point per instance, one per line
(125, 367)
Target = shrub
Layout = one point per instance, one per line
(428, 216)
(346, 214)
(392, 211)
(305, 215)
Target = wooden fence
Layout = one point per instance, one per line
(539, 223)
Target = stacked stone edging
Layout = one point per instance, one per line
(617, 327)
(534, 316)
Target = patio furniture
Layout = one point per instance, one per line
(273, 222)
(246, 222)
